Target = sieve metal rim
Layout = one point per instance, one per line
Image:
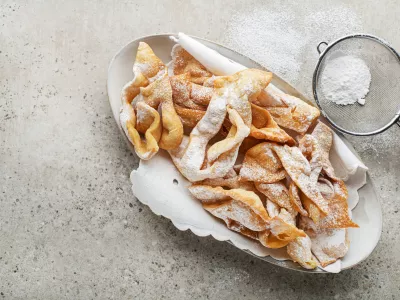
(322, 54)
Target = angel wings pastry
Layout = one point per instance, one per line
(141, 98)
(257, 159)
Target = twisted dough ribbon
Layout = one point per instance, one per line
(141, 97)
(183, 62)
(243, 211)
(231, 95)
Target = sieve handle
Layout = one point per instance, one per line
(319, 47)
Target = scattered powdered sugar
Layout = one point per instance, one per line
(145, 68)
(200, 94)
(276, 189)
(272, 208)
(141, 115)
(345, 80)
(193, 158)
(327, 238)
(272, 156)
(141, 67)
(284, 35)
(329, 245)
(159, 74)
(300, 251)
(205, 194)
(125, 116)
(259, 35)
(170, 68)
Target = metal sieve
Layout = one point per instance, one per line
(382, 103)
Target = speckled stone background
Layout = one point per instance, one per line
(69, 225)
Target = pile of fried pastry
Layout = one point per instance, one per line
(257, 158)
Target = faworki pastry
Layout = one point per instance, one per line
(141, 98)
(257, 158)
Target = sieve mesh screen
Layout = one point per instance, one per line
(383, 100)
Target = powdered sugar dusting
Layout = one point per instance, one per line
(222, 156)
(272, 208)
(141, 115)
(329, 245)
(141, 67)
(345, 80)
(276, 189)
(125, 116)
(300, 251)
(268, 33)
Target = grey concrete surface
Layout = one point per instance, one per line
(69, 225)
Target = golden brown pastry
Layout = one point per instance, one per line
(265, 128)
(141, 97)
(294, 197)
(277, 193)
(274, 192)
(299, 170)
(300, 251)
(172, 133)
(221, 156)
(150, 126)
(146, 69)
(246, 209)
(261, 164)
(189, 117)
(328, 245)
(183, 62)
(316, 149)
(188, 94)
(288, 111)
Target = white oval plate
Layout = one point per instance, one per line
(367, 213)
